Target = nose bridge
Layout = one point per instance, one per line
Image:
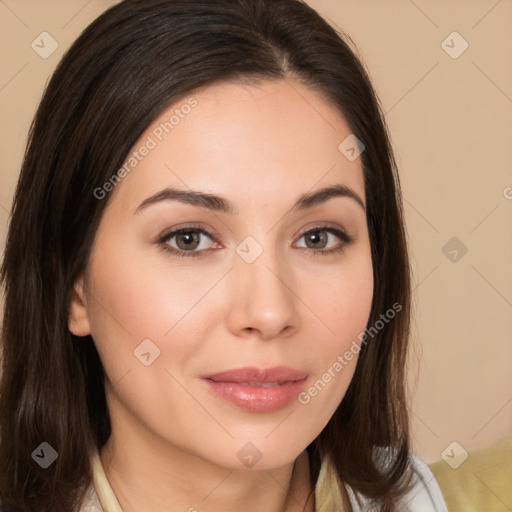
(263, 299)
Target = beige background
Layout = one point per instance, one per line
(451, 125)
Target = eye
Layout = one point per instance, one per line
(317, 238)
(188, 241)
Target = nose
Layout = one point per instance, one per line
(262, 299)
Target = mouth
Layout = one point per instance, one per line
(253, 375)
(257, 390)
(262, 384)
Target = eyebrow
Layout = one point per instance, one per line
(223, 205)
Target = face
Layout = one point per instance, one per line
(267, 281)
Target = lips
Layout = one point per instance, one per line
(258, 390)
(251, 374)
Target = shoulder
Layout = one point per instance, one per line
(426, 495)
(91, 502)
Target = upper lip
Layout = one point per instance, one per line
(254, 374)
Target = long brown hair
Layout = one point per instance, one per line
(123, 70)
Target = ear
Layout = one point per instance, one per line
(78, 320)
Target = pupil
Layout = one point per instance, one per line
(189, 238)
(316, 237)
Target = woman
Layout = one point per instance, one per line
(206, 274)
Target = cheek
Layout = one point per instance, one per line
(350, 309)
(150, 291)
(342, 300)
(132, 299)
(342, 304)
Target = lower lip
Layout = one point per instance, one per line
(258, 398)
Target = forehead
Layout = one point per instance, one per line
(261, 142)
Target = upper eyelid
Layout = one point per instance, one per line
(172, 232)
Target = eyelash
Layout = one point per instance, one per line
(342, 235)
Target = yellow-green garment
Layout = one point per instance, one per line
(482, 483)
(424, 497)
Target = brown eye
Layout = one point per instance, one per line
(189, 241)
(317, 240)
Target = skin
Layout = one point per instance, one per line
(173, 441)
